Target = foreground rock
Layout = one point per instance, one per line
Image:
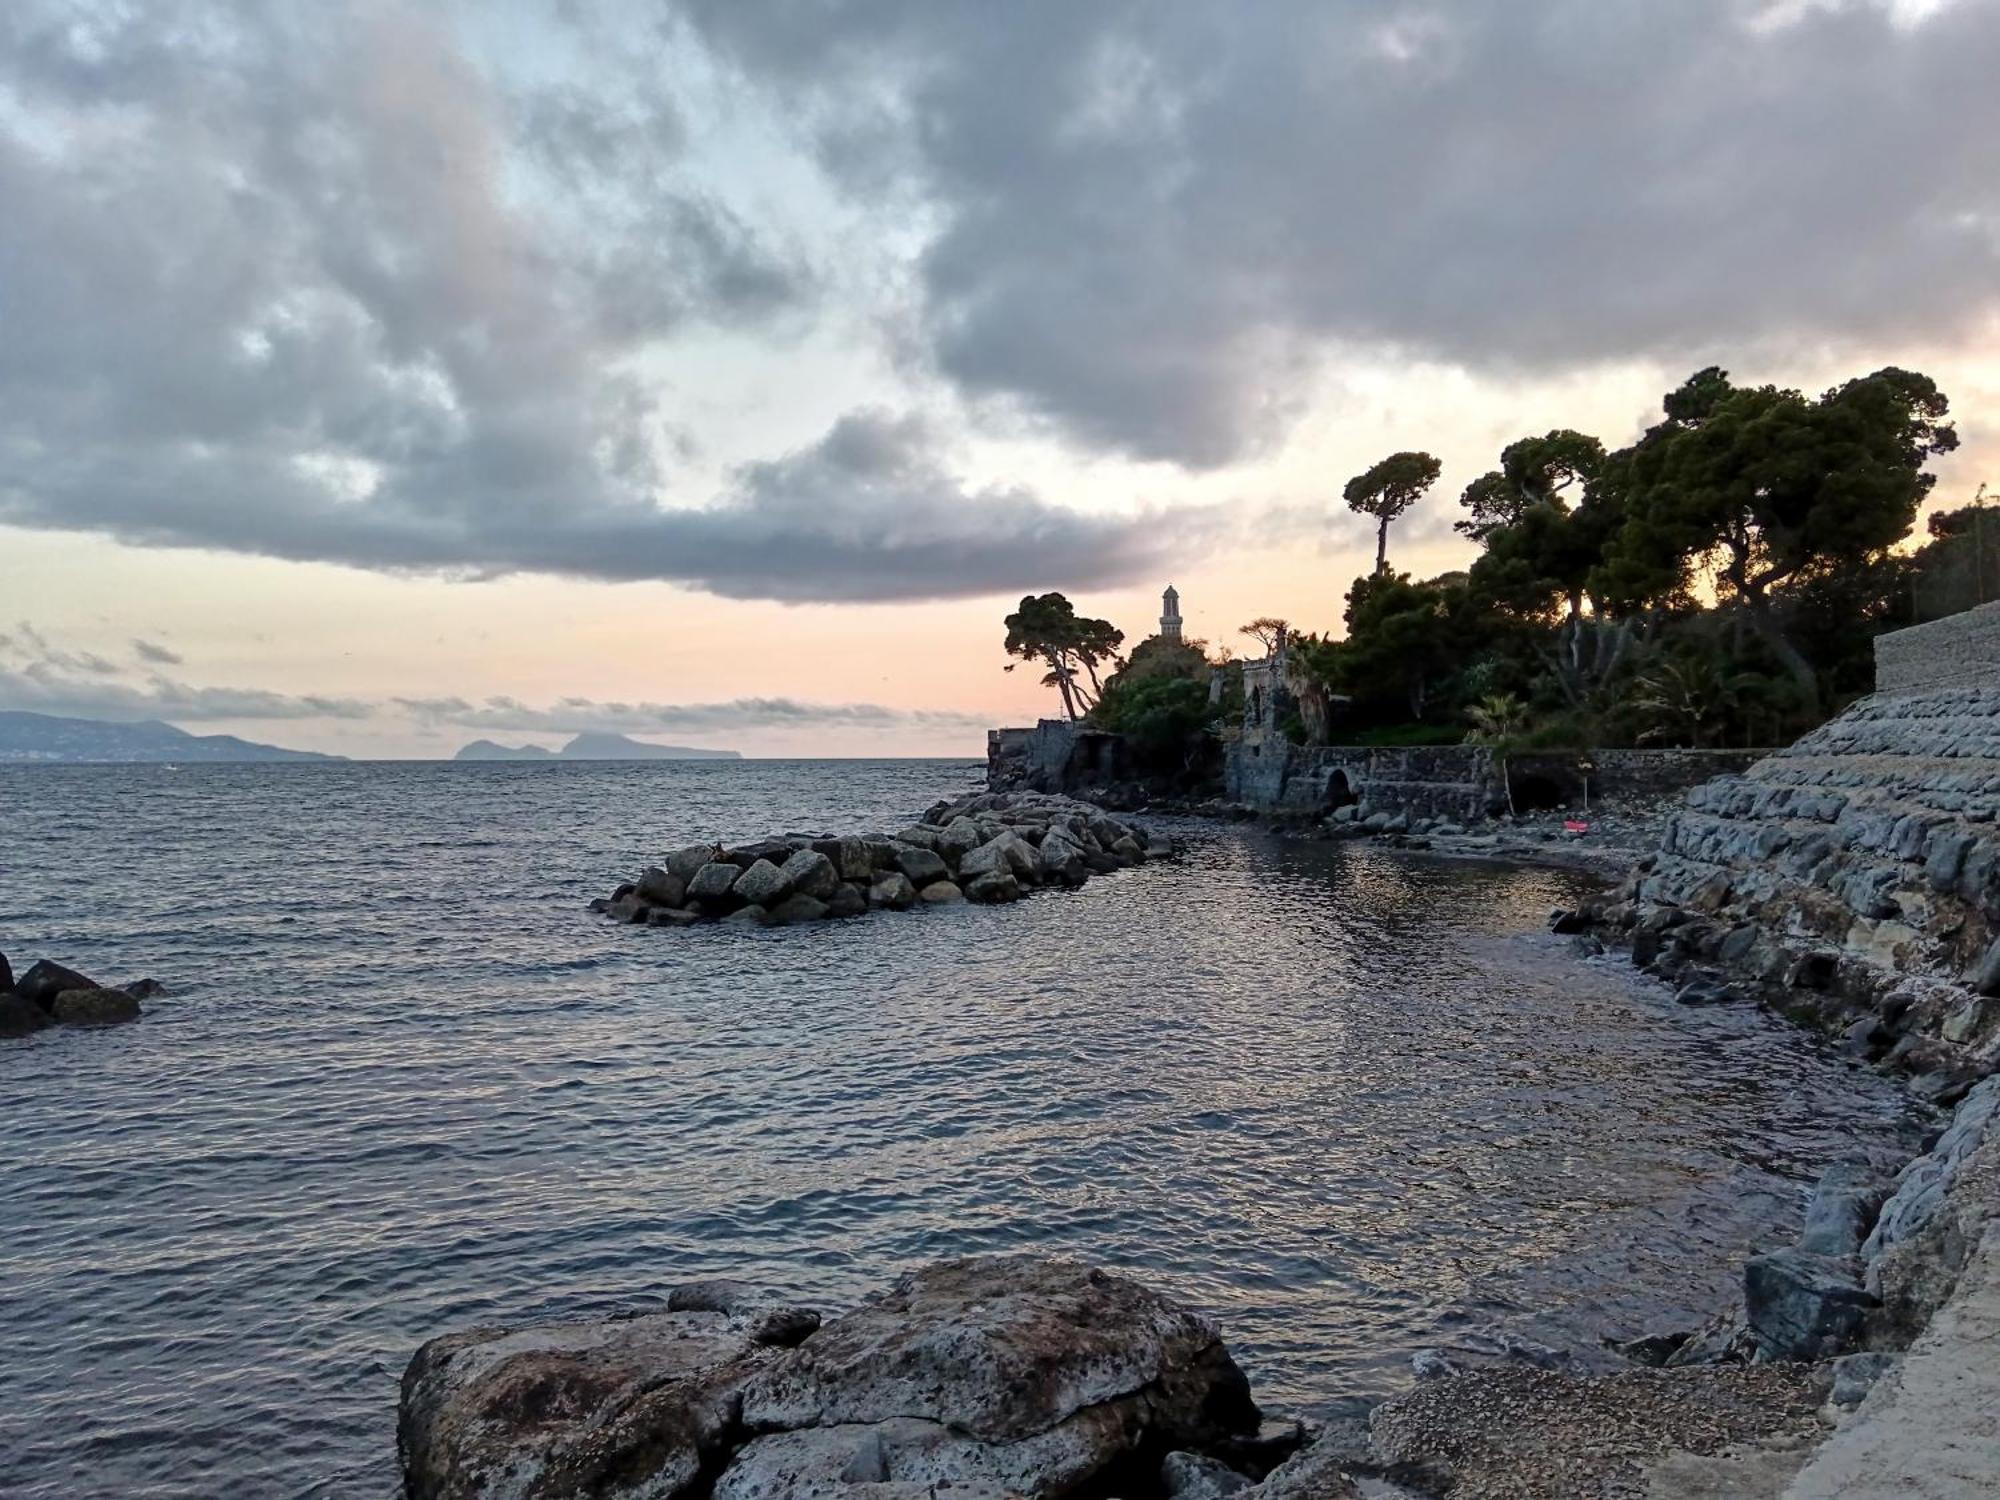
(987, 848)
(50, 994)
(994, 1376)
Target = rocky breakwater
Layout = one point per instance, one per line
(1851, 881)
(989, 847)
(978, 1378)
(48, 994)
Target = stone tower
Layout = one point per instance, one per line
(1170, 615)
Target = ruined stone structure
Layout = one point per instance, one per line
(1057, 755)
(1266, 772)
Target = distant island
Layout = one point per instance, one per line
(593, 747)
(27, 738)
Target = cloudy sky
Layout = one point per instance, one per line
(375, 374)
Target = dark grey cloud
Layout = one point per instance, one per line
(1154, 210)
(270, 287)
(156, 654)
(41, 676)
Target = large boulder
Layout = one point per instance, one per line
(987, 859)
(6, 975)
(662, 887)
(799, 907)
(713, 882)
(46, 980)
(892, 890)
(683, 863)
(811, 873)
(634, 1407)
(1041, 1362)
(959, 838)
(940, 893)
(94, 1007)
(921, 866)
(993, 888)
(763, 884)
(19, 1017)
(848, 900)
(1802, 1305)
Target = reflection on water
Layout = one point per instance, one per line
(1352, 1101)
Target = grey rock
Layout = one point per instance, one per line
(1842, 1209)
(630, 907)
(892, 1460)
(993, 887)
(920, 836)
(847, 900)
(1128, 849)
(893, 890)
(987, 859)
(1192, 1476)
(45, 980)
(750, 916)
(1855, 1374)
(662, 887)
(811, 873)
(1091, 1366)
(959, 838)
(713, 882)
(763, 884)
(630, 1407)
(144, 989)
(683, 863)
(766, 1318)
(1804, 1306)
(6, 975)
(940, 893)
(671, 916)
(18, 1017)
(1986, 974)
(799, 907)
(1317, 1472)
(94, 1007)
(921, 866)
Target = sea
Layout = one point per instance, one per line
(1355, 1102)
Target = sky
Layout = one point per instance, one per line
(377, 375)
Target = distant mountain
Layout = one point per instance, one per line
(593, 747)
(487, 750)
(26, 737)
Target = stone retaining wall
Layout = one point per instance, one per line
(1959, 650)
(1455, 783)
(1856, 874)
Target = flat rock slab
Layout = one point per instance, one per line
(1930, 1430)
(987, 1377)
(631, 1407)
(1002, 1348)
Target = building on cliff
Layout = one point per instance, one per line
(1170, 614)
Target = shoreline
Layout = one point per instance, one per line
(1696, 1411)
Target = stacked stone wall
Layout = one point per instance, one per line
(1856, 875)
(1959, 650)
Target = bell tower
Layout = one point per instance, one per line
(1170, 615)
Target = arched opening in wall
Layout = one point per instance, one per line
(1339, 791)
(1530, 791)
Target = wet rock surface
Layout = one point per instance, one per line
(988, 847)
(52, 994)
(993, 1375)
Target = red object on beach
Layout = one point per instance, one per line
(1570, 825)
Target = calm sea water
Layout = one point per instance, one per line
(1354, 1102)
